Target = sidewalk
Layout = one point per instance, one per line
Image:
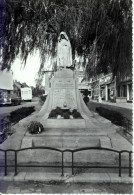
(55, 187)
(98, 177)
(117, 104)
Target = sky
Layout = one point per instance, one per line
(28, 73)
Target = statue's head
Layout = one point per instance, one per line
(63, 35)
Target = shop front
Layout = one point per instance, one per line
(107, 88)
(124, 92)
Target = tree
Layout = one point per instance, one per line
(100, 31)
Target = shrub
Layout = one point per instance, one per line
(77, 115)
(59, 111)
(35, 127)
(66, 115)
(53, 114)
(86, 92)
(43, 98)
(69, 112)
(73, 111)
(21, 113)
(114, 116)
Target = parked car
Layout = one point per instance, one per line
(9, 99)
(15, 100)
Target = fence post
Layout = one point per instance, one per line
(119, 164)
(5, 163)
(62, 164)
(130, 172)
(72, 163)
(15, 163)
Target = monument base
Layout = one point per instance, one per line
(65, 123)
(68, 139)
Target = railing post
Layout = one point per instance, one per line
(5, 163)
(130, 172)
(119, 164)
(15, 163)
(72, 163)
(62, 164)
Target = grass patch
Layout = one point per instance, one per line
(17, 115)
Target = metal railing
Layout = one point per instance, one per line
(62, 166)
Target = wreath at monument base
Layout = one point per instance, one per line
(64, 114)
(35, 127)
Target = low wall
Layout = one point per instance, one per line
(124, 111)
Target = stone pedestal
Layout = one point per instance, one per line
(64, 93)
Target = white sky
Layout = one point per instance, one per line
(28, 73)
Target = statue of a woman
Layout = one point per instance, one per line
(64, 51)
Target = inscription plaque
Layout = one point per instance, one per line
(64, 95)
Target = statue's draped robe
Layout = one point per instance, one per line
(64, 52)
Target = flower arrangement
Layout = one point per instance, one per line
(64, 113)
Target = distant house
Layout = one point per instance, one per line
(17, 87)
(6, 86)
(83, 83)
(6, 80)
(24, 85)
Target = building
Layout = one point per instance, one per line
(6, 86)
(119, 89)
(124, 87)
(107, 88)
(104, 88)
(17, 87)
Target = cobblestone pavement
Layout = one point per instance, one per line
(54, 187)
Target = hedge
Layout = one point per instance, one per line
(114, 116)
(21, 113)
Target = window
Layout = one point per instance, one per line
(124, 87)
(118, 91)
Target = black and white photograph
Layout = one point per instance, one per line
(66, 96)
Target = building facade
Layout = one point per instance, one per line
(104, 88)
(124, 87)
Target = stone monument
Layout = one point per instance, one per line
(72, 133)
(64, 92)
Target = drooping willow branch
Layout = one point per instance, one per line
(100, 31)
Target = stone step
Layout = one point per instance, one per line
(63, 143)
(55, 157)
(74, 132)
(66, 142)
